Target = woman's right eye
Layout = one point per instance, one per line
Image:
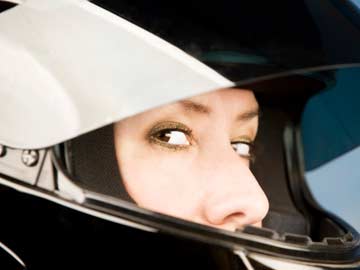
(173, 137)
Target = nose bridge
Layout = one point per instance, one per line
(233, 191)
(226, 162)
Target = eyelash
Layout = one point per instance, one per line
(153, 136)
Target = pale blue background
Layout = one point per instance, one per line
(336, 185)
(357, 2)
(331, 138)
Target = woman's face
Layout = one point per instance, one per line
(190, 159)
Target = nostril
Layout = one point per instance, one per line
(238, 219)
(228, 211)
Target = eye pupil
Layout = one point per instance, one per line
(164, 136)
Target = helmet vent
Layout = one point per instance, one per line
(299, 239)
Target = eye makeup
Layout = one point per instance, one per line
(176, 136)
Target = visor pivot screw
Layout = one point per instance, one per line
(30, 157)
(2, 150)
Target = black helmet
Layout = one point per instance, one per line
(70, 69)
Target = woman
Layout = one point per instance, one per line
(190, 159)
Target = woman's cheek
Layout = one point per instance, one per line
(161, 180)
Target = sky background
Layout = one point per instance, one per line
(342, 198)
(331, 138)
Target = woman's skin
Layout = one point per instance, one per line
(181, 159)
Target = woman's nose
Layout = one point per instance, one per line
(233, 197)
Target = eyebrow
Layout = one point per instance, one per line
(248, 115)
(195, 107)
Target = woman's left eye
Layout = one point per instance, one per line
(243, 149)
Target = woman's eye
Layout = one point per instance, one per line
(171, 134)
(243, 149)
(173, 137)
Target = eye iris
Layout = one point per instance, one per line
(173, 137)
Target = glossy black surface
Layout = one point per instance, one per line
(244, 39)
(48, 236)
